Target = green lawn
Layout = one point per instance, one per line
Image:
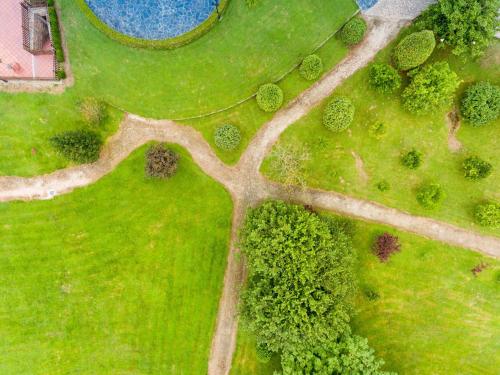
(332, 165)
(432, 315)
(248, 48)
(122, 277)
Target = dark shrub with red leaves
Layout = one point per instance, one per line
(385, 245)
(161, 162)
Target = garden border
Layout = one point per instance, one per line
(169, 43)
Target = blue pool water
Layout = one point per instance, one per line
(152, 19)
(366, 4)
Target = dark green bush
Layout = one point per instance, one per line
(311, 67)
(353, 31)
(383, 186)
(338, 114)
(56, 35)
(264, 355)
(227, 137)
(476, 168)
(161, 162)
(488, 214)
(384, 78)
(412, 159)
(60, 74)
(80, 146)
(269, 97)
(414, 50)
(93, 111)
(481, 103)
(430, 196)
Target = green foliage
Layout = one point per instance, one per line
(300, 284)
(430, 196)
(311, 67)
(56, 35)
(481, 103)
(476, 168)
(353, 31)
(80, 146)
(93, 111)
(431, 87)
(467, 26)
(161, 162)
(383, 186)
(264, 355)
(227, 137)
(414, 50)
(384, 78)
(251, 3)
(338, 114)
(350, 355)
(269, 97)
(412, 159)
(488, 214)
(377, 130)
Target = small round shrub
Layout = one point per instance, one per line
(227, 137)
(384, 78)
(430, 196)
(353, 31)
(383, 186)
(338, 114)
(264, 355)
(481, 103)
(476, 168)
(269, 97)
(80, 146)
(377, 130)
(414, 50)
(93, 111)
(311, 67)
(488, 214)
(412, 159)
(161, 162)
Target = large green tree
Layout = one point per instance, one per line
(467, 26)
(300, 282)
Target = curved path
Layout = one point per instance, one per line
(246, 185)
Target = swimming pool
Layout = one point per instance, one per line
(366, 4)
(152, 19)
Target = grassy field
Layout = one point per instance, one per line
(432, 316)
(122, 277)
(332, 164)
(218, 70)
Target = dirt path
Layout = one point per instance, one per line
(453, 123)
(246, 185)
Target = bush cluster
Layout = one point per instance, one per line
(384, 78)
(161, 162)
(476, 168)
(353, 31)
(269, 97)
(488, 214)
(93, 111)
(385, 245)
(227, 137)
(311, 67)
(80, 146)
(430, 196)
(481, 103)
(414, 50)
(412, 159)
(338, 114)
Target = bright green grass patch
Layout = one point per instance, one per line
(121, 277)
(245, 360)
(333, 165)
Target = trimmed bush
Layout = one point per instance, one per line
(412, 159)
(338, 114)
(476, 168)
(385, 245)
(270, 97)
(264, 355)
(430, 196)
(311, 67)
(488, 214)
(161, 162)
(353, 31)
(481, 103)
(384, 78)
(414, 50)
(227, 137)
(80, 146)
(93, 111)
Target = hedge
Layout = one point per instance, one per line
(481, 103)
(353, 31)
(227, 137)
(269, 97)
(338, 114)
(169, 43)
(311, 67)
(414, 50)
